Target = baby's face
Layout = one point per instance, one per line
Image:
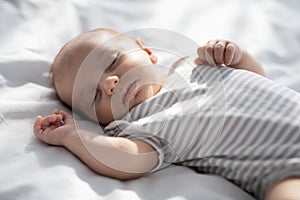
(113, 78)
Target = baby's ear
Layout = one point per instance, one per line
(143, 46)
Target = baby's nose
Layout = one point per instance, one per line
(110, 84)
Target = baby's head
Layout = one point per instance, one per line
(103, 74)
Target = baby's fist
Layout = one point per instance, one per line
(218, 52)
(53, 128)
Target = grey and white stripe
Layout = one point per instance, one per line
(232, 123)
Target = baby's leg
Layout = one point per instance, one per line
(285, 190)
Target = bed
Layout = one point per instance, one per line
(33, 31)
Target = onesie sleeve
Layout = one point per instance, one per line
(133, 131)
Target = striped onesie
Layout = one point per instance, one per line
(223, 121)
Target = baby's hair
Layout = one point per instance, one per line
(63, 59)
(60, 63)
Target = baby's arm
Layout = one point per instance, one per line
(218, 52)
(114, 157)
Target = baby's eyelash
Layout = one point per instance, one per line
(111, 66)
(98, 93)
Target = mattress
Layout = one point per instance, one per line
(33, 31)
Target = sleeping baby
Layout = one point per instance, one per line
(220, 116)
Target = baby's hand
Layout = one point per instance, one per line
(218, 52)
(52, 129)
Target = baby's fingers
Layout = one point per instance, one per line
(200, 60)
(55, 111)
(229, 54)
(65, 115)
(233, 54)
(209, 52)
(51, 119)
(37, 126)
(219, 51)
(205, 55)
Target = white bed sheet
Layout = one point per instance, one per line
(31, 33)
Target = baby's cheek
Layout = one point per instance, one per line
(145, 93)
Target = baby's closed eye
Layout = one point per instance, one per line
(98, 95)
(112, 66)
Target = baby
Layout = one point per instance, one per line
(221, 116)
